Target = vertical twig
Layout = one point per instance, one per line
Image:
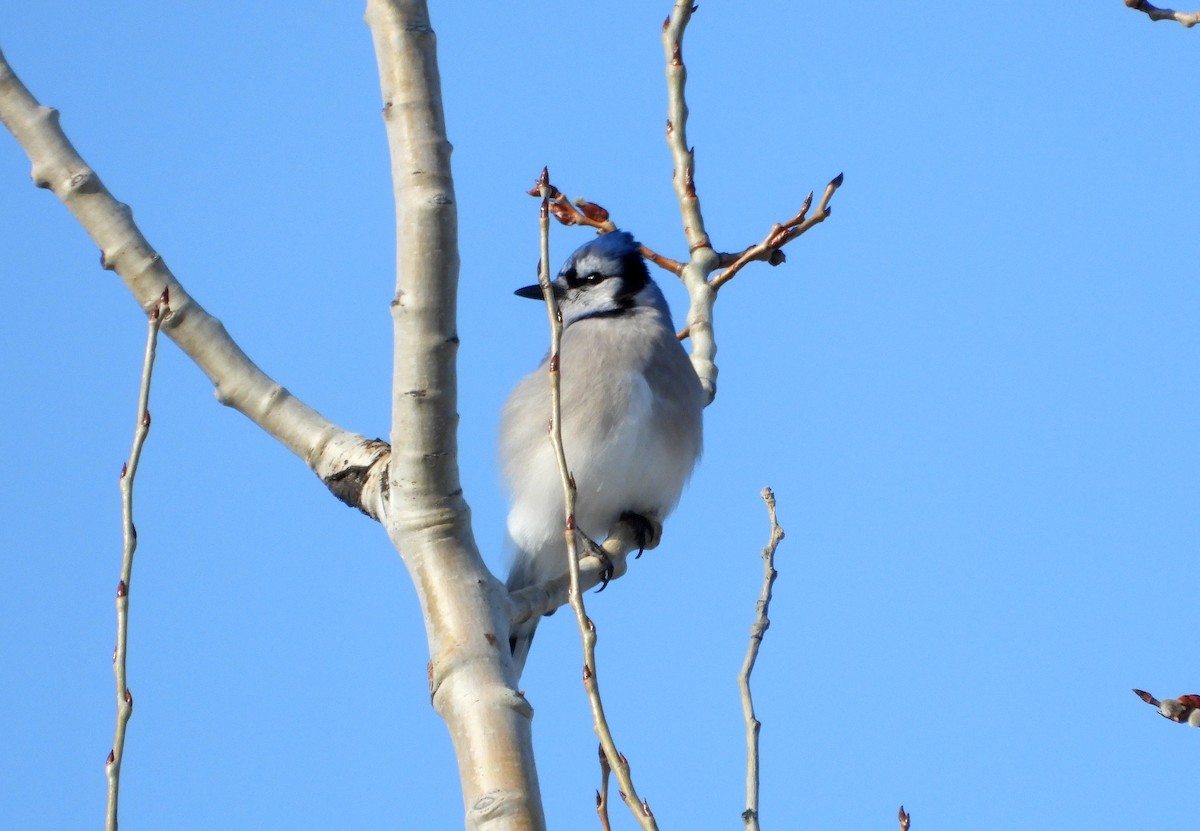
(702, 259)
(757, 630)
(602, 794)
(587, 629)
(112, 768)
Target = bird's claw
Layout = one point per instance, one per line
(606, 569)
(647, 531)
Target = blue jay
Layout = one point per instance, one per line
(631, 415)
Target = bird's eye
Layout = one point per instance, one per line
(593, 277)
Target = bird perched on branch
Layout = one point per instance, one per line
(631, 415)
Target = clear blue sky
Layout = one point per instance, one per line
(973, 390)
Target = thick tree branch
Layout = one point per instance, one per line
(349, 464)
(466, 609)
(1188, 19)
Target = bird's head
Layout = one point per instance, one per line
(604, 277)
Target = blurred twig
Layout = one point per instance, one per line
(1188, 19)
(1183, 710)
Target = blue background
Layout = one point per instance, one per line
(973, 390)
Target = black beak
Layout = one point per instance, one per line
(533, 292)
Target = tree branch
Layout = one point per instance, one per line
(587, 628)
(349, 464)
(1188, 19)
(472, 681)
(757, 630)
(703, 259)
(112, 768)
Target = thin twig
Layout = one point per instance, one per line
(1188, 19)
(602, 794)
(583, 212)
(757, 630)
(769, 250)
(703, 260)
(112, 767)
(587, 629)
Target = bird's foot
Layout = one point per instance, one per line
(648, 531)
(596, 550)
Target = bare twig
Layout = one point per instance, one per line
(583, 212)
(769, 250)
(1188, 19)
(587, 629)
(905, 819)
(780, 235)
(112, 768)
(703, 259)
(757, 630)
(349, 464)
(1183, 710)
(602, 794)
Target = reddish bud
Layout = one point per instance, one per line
(122, 589)
(677, 56)
(1145, 696)
(587, 673)
(564, 214)
(554, 362)
(591, 210)
(646, 808)
(124, 469)
(570, 522)
(666, 23)
(128, 697)
(111, 758)
(599, 799)
(544, 178)
(145, 418)
(837, 181)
